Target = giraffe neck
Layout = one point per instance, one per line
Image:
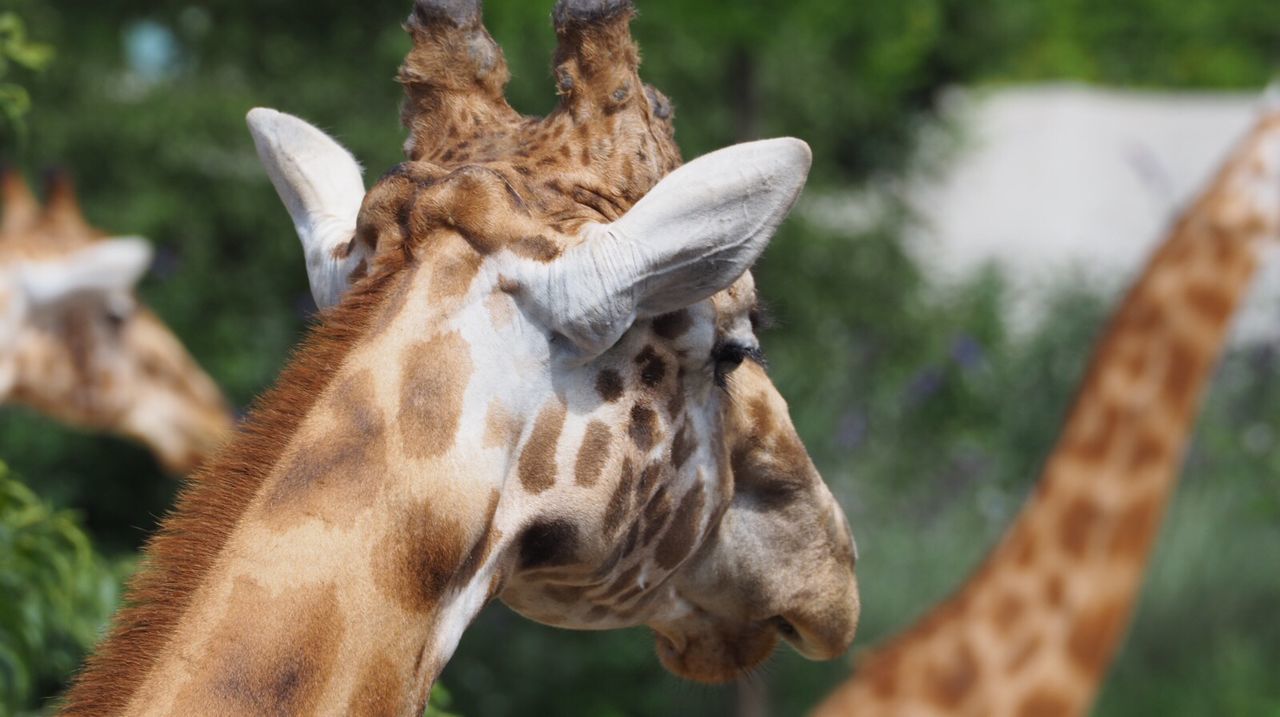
(329, 560)
(1034, 630)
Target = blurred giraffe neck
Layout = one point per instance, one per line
(1034, 630)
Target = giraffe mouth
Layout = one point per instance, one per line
(714, 656)
(705, 648)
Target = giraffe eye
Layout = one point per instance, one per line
(729, 355)
(116, 318)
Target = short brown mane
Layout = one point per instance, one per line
(181, 553)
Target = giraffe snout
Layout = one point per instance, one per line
(822, 629)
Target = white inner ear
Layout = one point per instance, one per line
(690, 237)
(13, 310)
(321, 186)
(104, 267)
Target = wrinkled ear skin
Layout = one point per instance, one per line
(694, 234)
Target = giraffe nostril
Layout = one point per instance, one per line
(785, 628)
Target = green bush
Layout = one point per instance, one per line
(58, 594)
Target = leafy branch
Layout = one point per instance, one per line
(18, 52)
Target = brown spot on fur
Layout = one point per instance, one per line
(1055, 590)
(1029, 648)
(548, 544)
(536, 247)
(675, 402)
(453, 269)
(882, 673)
(1008, 609)
(656, 512)
(481, 550)
(1184, 368)
(672, 326)
(652, 368)
(632, 539)
(644, 427)
(1079, 525)
(593, 454)
(620, 501)
(538, 459)
(1023, 546)
(380, 691)
(678, 541)
(416, 559)
(1149, 449)
(1044, 702)
(501, 427)
(256, 663)
(624, 581)
(949, 682)
(1091, 447)
(683, 445)
(1135, 529)
(1210, 302)
(338, 472)
(609, 385)
(501, 309)
(648, 480)
(436, 373)
(1094, 635)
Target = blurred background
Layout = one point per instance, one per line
(988, 175)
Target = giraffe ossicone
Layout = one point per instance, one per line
(76, 344)
(538, 383)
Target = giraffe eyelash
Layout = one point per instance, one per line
(729, 355)
(762, 319)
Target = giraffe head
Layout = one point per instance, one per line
(75, 343)
(583, 324)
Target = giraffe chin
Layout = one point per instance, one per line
(716, 655)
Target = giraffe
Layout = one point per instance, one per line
(76, 345)
(540, 383)
(1034, 629)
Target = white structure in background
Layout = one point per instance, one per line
(1060, 181)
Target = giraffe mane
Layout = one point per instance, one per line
(183, 550)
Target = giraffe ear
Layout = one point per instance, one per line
(104, 267)
(692, 235)
(321, 186)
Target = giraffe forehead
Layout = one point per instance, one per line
(489, 207)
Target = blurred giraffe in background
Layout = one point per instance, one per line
(1034, 630)
(75, 343)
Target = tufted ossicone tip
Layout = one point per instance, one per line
(569, 12)
(454, 78)
(61, 206)
(459, 13)
(18, 206)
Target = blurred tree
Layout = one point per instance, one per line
(18, 55)
(57, 592)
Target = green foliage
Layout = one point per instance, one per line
(17, 53)
(58, 594)
(438, 704)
